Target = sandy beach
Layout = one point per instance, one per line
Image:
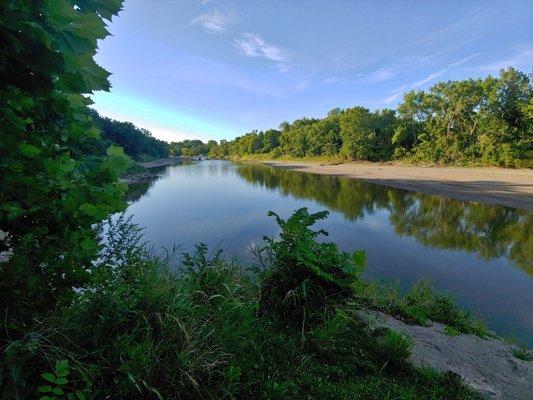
(508, 187)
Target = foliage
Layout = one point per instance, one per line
(305, 275)
(144, 329)
(51, 192)
(57, 386)
(189, 148)
(475, 121)
(136, 142)
(423, 303)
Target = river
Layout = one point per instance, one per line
(481, 254)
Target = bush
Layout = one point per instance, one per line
(305, 275)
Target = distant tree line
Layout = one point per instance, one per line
(188, 148)
(484, 121)
(138, 143)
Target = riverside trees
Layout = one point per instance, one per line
(475, 121)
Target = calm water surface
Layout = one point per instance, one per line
(482, 254)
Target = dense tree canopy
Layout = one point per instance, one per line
(136, 142)
(188, 148)
(484, 121)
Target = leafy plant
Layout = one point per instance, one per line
(305, 274)
(50, 197)
(57, 386)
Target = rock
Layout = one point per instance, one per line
(486, 365)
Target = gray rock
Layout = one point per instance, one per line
(486, 365)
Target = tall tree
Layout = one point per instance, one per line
(50, 196)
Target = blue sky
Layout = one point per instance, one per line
(213, 69)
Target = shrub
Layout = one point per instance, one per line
(305, 275)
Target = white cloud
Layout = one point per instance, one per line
(428, 78)
(389, 99)
(460, 62)
(213, 22)
(253, 46)
(377, 76)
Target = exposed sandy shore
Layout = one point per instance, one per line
(509, 187)
(161, 162)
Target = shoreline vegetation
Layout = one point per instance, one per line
(300, 323)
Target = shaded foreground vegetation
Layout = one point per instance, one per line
(210, 329)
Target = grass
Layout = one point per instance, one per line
(211, 330)
(422, 304)
(523, 354)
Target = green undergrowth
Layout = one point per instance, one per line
(421, 305)
(134, 168)
(211, 330)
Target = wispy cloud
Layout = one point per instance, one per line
(253, 46)
(462, 61)
(391, 98)
(213, 22)
(522, 59)
(427, 79)
(377, 76)
(330, 80)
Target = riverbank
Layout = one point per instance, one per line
(489, 185)
(141, 172)
(162, 162)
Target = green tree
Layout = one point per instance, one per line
(51, 193)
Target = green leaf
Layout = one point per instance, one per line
(45, 389)
(80, 395)
(49, 377)
(65, 372)
(61, 381)
(93, 133)
(28, 150)
(58, 391)
(90, 209)
(115, 151)
(61, 365)
(359, 258)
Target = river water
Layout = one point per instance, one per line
(481, 254)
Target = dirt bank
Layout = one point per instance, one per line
(162, 162)
(509, 187)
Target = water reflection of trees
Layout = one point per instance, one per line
(490, 231)
(137, 190)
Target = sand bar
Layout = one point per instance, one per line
(508, 187)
